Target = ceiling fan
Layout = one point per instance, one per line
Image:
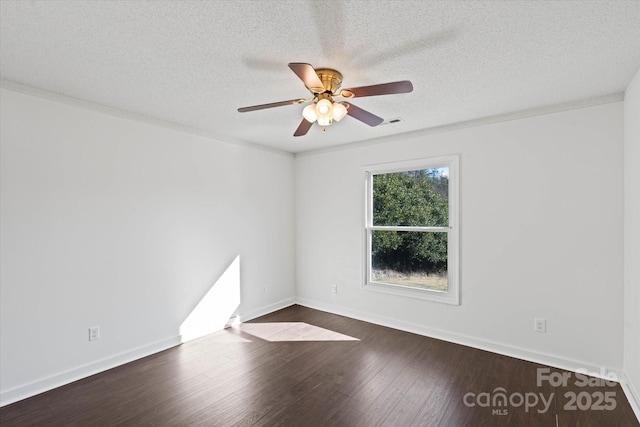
(324, 84)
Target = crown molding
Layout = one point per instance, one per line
(128, 115)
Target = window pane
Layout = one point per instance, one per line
(412, 198)
(410, 258)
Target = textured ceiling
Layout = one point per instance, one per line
(193, 63)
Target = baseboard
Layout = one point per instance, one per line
(632, 394)
(57, 380)
(75, 374)
(469, 341)
(244, 317)
(544, 359)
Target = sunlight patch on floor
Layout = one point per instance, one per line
(226, 336)
(292, 331)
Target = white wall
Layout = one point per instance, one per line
(126, 225)
(632, 238)
(112, 222)
(541, 236)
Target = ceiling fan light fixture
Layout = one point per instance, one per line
(323, 108)
(339, 111)
(309, 113)
(325, 121)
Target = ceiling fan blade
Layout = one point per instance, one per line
(304, 127)
(308, 75)
(403, 86)
(363, 115)
(271, 105)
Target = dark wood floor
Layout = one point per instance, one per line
(302, 367)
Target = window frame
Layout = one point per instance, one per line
(452, 295)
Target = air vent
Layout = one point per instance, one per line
(392, 121)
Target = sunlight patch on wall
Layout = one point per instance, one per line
(292, 331)
(217, 307)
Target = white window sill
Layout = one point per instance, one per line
(405, 291)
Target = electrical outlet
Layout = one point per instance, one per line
(540, 325)
(334, 289)
(94, 333)
(264, 290)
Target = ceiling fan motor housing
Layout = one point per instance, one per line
(331, 79)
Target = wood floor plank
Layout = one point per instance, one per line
(321, 370)
(407, 409)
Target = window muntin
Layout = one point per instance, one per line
(411, 229)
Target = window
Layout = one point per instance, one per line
(412, 229)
